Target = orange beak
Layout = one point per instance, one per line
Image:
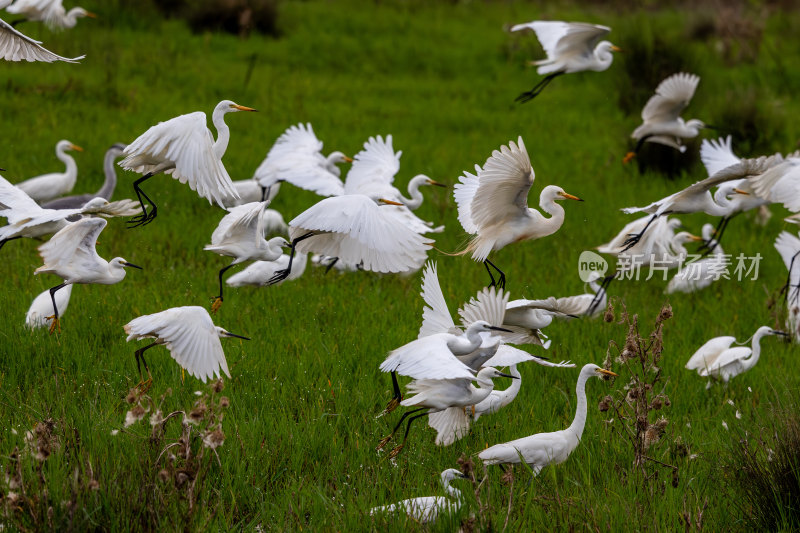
(616, 49)
(740, 191)
(606, 372)
(243, 108)
(389, 202)
(569, 196)
(90, 15)
(76, 147)
(348, 159)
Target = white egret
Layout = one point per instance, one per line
(249, 191)
(190, 336)
(427, 509)
(40, 314)
(432, 395)
(717, 360)
(49, 186)
(544, 449)
(780, 184)
(71, 255)
(296, 158)
(240, 234)
(492, 205)
(789, 247)
(106, 191)
(260, 272)
(703, 272)
(27, 219)
(183, 147)
(570, 47)
(16, 46)
(354, 228)
(590, 303)
(661, 116)
(51, 12)
(334, 262)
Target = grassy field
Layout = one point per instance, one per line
(301, 428)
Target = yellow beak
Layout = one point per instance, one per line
(432, 182)
(740, 191)
(90, 15)
(695, 238)
(76, 147)
(390, 202)
(569, 196)
(616, 48)
(243, 108)
(606, 372)
(348, 159)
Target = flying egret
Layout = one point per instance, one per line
(41, 312)
(427, 509)
(432, 395)
(71, 255)
(16, 46)
(190, 336)
(296, 158)
(544, 449)
(780, 184)
(661, 116)
(260, 272)
(701, 273)
(49, 186)
(570, 47)
(183, 147)
(492, 205)
(356, 229)
(52, 12)
(27, 219)
(240, 234)
(454, 423)
(106, 191)
(717, 360)
(789, 247)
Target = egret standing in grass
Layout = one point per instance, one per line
(71, 255)
(493, 206)
(427, 509)
(106, 191)
(49, 186)
(544, 449)
(190, 336)
(183, 147)
(570, 47)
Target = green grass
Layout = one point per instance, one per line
(301, 427)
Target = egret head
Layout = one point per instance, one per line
(695, 125)
(684, 237)
(674, 223)
(553, 193)
(119, 262)
(226, 106)
(338, 157)
(225, 333)
(766, 330)
(491, 372)
(708, 231)
(78, 12)
(450, 474)
(592, 370)
(64, 145)
(480, 326)
(279, 242)
(94, 205)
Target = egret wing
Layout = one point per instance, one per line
(780, 184)
(717, 154)
(427, 358)
(435, 314)
(16, 46)
(789, 247)
(243, 223)
(377, 162)
(15, 204)
(672, 96)
(706, 355)
(731, 355)
(580, 39)
(450, 425)
(73, 245)
(464, 192)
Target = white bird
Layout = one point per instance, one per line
(544, 449)
(296, 158)
(249, 191)
(780, 184)
(334, 262)
(427, 509)
(789, 247)
(190, 336)
(570, 47)
(41, 312)
(106, 191)
(260, 272)
(16, 46)
(71, 255)
(661, 116)
(357, 230)
(49, 186)
(240, 234)
(492, 205)
(184, 147)
(717, 360)
(27, 219)
(51, 12)
(701, 273)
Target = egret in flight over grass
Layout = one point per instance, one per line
(106, 191)
(570, 47)
(71, 255)
(493, 205)
(716, 359)
(544, 449)
(427, 509)
(16, 46)
(51, 12)
(183, 147)
(49, 186)
(190, 336)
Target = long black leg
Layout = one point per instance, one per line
(54, 324)
(330, 266)
(533, 93)
(400, 423)
(397, 396)
(139, 354)
(281, 275)
(4, 241)
(630, 155)
(599, 296)
(264, 193)
(633, 238)
(501, 281)
(145, 217)
(493, 283)
(397, 449)
(218, 300)
(787, 288)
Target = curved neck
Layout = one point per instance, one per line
(507, 396)
(107, 190)
(413, 190)
(483, 390)
(580, 411)
(594, 286)
(72, 168)
(452, 491)
(548, 226)
(751, 361)
(717, 207)
(223, 132)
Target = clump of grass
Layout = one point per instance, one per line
(763, 470)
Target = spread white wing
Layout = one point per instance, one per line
(16, 46)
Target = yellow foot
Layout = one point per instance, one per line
(394, 453)
(144, 386)
(628, 157)
(55, 323)
(391, 406)
(384, 441)
(216, 305)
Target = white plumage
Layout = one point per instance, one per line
(51, 12)
(260, 272)
(16, 46)
(427, 509)
(40, 314)
(49, 186)
(190, 336)
(788, 246)
(701, 273)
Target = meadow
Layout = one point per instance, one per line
(300, 428)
